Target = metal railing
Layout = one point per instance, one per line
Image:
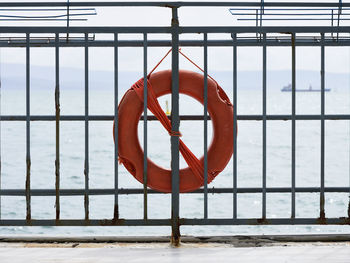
(287, 36)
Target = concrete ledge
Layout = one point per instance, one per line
(248, 240)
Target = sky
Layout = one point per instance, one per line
(219, 59)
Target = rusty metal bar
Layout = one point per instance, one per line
(167, 222)
(130, 191)
(175, 124)
(264, 131)
(250, 117)
(205, 116)
(293, 126)
(116, 179)
(28, 161)
(322, 197)
(269, 221)
(86, 163)
(234, 181)
(68, 20)
(57, 109)
(145, 137)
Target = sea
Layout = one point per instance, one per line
(249, 156)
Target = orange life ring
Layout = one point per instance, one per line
(220, 150)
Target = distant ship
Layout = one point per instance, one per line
(288, 88)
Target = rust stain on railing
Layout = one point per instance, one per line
(116, 212)
(28, 199)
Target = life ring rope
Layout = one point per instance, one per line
(190, 60)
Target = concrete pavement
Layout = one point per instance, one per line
(333, 252)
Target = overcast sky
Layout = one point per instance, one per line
(337, 59)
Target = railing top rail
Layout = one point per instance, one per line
(186, 29)
(176, 4)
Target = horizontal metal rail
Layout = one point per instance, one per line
(129, 191)
(182, 221)
(182, 30)
(46, 9)
(290, 14)
(241, 41)
(283, 117)
(42, 19)
(175, 4)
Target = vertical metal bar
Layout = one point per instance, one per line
(205, 115)
(234, 36)
(293, 124)
(262, 10)
(175, 124)
(264, 130)
(257, 22)
(116, 204)
(67, 20)
(86, 164)
(145, 137)
(322, 198)
(57, 108)
(332, 21)
(340, 8)
(28, 162)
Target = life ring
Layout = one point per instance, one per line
(220, 150)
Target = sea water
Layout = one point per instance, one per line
(101, 158)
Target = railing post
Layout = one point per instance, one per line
(205, 117)
(264, 131)
(116, 178)
(175, 123)
(58, 115)
(322, 168)
(293, 125)
(234, 181)
(145, 139)
(86, 163)
(28, 161)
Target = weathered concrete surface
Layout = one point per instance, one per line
(237, 240)
(311, 252)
